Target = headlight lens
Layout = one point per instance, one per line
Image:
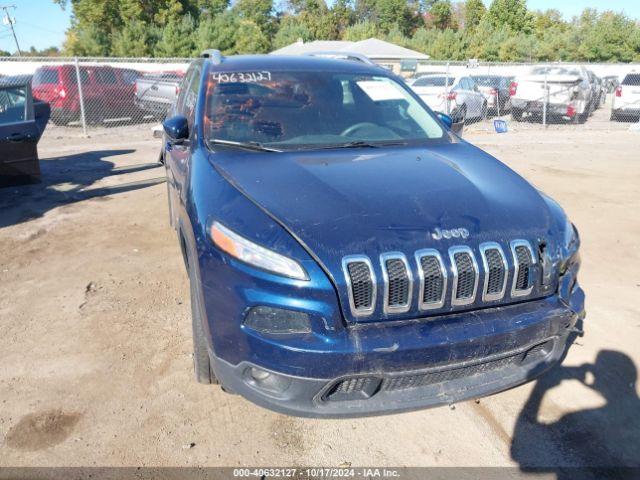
(253, 254)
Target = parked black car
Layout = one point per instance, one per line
(22, 122)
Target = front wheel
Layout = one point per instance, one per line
(460, 115)
(201, 359)
(516, 114)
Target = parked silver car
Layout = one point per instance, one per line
(457, 96)
(566, 91)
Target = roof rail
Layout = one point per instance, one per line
(341, 55)
(214, 55)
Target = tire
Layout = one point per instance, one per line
(484, 111)
(460, 115)
(582, 118)
(516, 114)
(201, 359)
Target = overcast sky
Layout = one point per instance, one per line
(42, 23)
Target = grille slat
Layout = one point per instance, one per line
(523, 260)
(524, 263)
(362, 287)
(466, 275)
(433, 279)
(398, 283)
(495, 271)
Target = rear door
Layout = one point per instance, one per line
(19, 134)
(109, 96)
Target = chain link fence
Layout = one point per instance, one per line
(86, 94)
(90, 93)
(534, 95)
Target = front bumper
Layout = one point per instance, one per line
(519, 343)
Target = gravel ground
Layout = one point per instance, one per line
(95, 365)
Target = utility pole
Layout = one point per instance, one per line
(10, 21)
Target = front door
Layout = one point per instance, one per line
(19, 135)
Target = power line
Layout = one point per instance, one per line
(11, 21)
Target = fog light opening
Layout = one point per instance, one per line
(259, 375)
(267, 382)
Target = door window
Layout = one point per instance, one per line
(13, 105)
(45, 76)
(471, 83)
(106, 76)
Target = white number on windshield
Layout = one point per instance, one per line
(234, 77)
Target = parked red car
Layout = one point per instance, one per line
(107, 92)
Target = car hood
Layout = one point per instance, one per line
(370, 201)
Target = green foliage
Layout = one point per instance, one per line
(250, 39)
(512, 14)
(218, 32)
(443, 29)
(45, 52)
(258, 12)
(361, 31)
(387, 14)
(177, 38)
(441, 15)
(474, 11)
(291, 30)
(136, 39)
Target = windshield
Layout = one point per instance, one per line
(632, 79)
(297, 110)
(433, 81)
(554, 71)
(487, 81)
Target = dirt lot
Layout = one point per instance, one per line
(95, 364)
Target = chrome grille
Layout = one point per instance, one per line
(523, 261)
(432, 272)
(432, 279)
(361, 283)
(465, 275)
(397, 283)
(495, 271)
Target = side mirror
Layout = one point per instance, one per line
(456, 127)
(176, 128)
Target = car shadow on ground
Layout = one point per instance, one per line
(65, 180)
(594, 443)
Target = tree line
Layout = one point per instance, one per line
(505, 31)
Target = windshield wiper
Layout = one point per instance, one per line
(256, 146)
(362, 144)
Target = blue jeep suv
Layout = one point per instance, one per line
(348, 253)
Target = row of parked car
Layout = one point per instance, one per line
(107, 92)
(571, 93)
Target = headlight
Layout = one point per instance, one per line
(253, 254)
